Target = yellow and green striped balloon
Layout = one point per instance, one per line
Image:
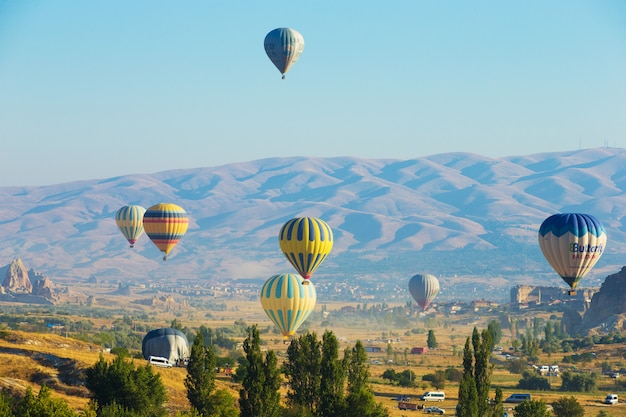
(287, 302)
(165, 225)
(129, 220)
(306, 242)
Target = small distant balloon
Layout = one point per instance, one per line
(284, 46)
(165, 225)
(424, 288)
(129, 220)
(572, 243)
(287, 302)
(305, 242)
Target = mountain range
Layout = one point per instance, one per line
(456, 215)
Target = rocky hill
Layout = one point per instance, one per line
(22, 285)
(607, 310)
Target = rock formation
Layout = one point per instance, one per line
(22, 285)
(522, 294)
(608, 306)
(16, 278)
(43, 288)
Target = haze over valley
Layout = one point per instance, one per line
(466, 218)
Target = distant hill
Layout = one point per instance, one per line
(455, 214)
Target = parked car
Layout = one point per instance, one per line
(434, 410)
(517, 398)
(160, 361)
(611, 399)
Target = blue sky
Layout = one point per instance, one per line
(98, 89)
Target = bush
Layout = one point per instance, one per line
(578, 382)
(532, 381)
(516, 366)
(567, 407)
(453, 374)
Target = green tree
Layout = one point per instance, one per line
(532, 408)
(200, 383)
(578, 382)
(495, 330)
(603, 413)
(136, 389)
(42, 405)
(357, 369)
(200, 379)
(5, 405)
(567, 407)
(516, 366)
(222, 404)
(116, 410)
(431, 342)
(467, 406)
(482, 368)
(332, 371)
(302, 370)
(360, 400)
(259, 395)
(474, 396)
(498, 407)
(530, 380)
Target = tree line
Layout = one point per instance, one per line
(318, 383)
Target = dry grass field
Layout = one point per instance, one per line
(28, 359)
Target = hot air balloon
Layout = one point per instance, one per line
(572, 243)
(165, 224)
(305, 242)
(284, 46)
(287, 302)
(424, 288)
(167, 343)
(129, 220)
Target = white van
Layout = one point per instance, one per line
(160, 361)
(611, 399)
(433, 396)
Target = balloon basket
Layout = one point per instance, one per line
(305, 282)
(571, 292)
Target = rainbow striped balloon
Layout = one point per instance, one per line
(165, 225)
(129, 220)
(287, 302)
(306, 242)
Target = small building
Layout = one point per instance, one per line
(419, 350)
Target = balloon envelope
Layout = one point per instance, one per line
(424, 288)
(167, 342)
(287, 302)
(165, 224)
(129, 220)
(306, 242)
(572, 243)
(284, 46)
